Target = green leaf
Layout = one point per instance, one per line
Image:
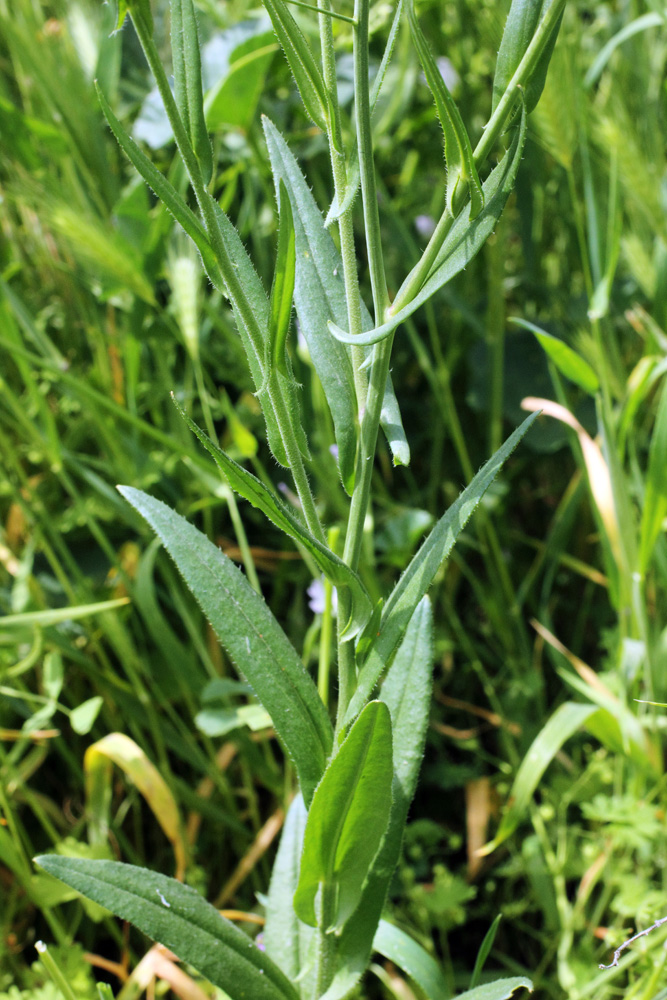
(251, 635)
(53, 616)
(340, 574)
(304, 69)
(282, 290)
(500, 989)
(655, 497)
(353, 170)
(319, 295)
(521, 25)
(233, 99)
(565, 721)
(286, 938)
(188, 81)
(419, 575)
(165, 192)
(82, 718)
(347, 820)
(407, 693)
(568, 362)
(464, 241)
(485, 950)
(651, 20)
(394, 944)
(257, 353)
(458, 151)
(179, 918)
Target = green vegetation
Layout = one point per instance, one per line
(160, 706)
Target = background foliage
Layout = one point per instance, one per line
(554, 598)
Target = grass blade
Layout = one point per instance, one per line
(568, 362)
(655, 497)
(419, 575)
(394, 944)
(179, 918)
(251, 635)
(565, 721)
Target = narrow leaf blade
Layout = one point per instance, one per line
(565, 721)
(304, 69)
(394, 944)
(179, 918)
(348, 818)
(500, 989)
(319, 296)
(407, 694)
(256, 493)
(464, 242)
(188, 81)
(419, 575)
(282, 291)
(458, 150)
(251, 635)
(568, 362)
(521, 24)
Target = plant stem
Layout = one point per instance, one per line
(345, 221)
(230, 278)
(492, 132)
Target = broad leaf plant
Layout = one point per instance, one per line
(357, 772)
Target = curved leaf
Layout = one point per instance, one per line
(189, 95)
(407, 693)
(568, 362)
(247, 629)
(347, 820)
(304, 69)
(179, 918)
(500, 989)
(259, 496)
(419, 575)
(394, 944)
(458, 151)
(464, 241)
(563, 723)
(319, 296)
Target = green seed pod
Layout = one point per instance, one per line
(522, 22)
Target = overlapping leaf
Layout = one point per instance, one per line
(249, 487)
(179, 918)
(464, 241)
(251, 635)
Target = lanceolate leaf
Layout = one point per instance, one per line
(417, 578)
(257, 352)
(464, 241)
(304, 68)
(179, 918)
(458, 151)
(319, 296)
(394, 944)
(353, 171)
(500, 989)
(251, 635)
(655, 497)
(407, 693)
(286, 938)
(522, 22)
(259, 496)
(282, 291)
(188, 81)
(165, 192)
(347, 820)
(568, 362)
